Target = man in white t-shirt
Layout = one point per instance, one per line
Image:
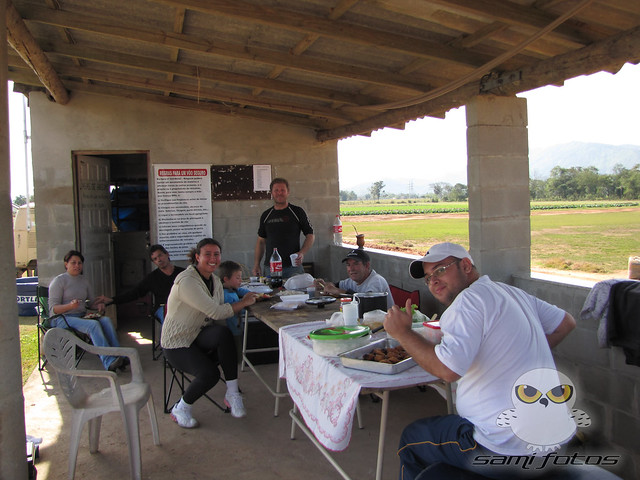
(493, 334)
(362, 278)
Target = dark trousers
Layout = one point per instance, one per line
(429, 443)
(212, 345)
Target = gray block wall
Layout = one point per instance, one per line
(608, 389)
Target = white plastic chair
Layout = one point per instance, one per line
(60, 349)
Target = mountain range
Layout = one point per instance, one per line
(541, 162)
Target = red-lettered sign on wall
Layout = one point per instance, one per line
(183, 207)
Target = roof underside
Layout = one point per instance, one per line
(340, 67)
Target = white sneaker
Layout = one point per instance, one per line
(234, 402)
(183, 418)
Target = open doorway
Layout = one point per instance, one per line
(113, 223)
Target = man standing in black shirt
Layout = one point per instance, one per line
(280, 228)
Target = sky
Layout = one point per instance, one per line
(600, 108)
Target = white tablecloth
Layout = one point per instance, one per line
(325, 392)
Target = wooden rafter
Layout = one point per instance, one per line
(343, 67)
(24, 44)
(611, 53)
(208, 74)
(304, 44)
(220, 47)
(333, 29)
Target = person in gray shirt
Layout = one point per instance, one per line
(362, 278)
(68, 296)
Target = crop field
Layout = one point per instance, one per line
(587, 238)
(417, 206)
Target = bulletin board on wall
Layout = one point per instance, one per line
(240, 182)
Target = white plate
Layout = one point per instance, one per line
(294, 298)
(260, 288)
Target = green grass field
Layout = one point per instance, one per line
(28, 345)
(591, 240)
(418, 206)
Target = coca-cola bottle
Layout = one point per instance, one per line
(337, 231)
(275, 266)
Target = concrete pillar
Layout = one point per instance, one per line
(498, 181)
(13, 460)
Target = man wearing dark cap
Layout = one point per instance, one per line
(362, 278)
(493, 334)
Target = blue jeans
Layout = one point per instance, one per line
(429, 442)
(100, 331)
(159, 314)
(432, 440)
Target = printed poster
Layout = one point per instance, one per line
(183, 207)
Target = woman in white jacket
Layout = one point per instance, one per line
(191, 337)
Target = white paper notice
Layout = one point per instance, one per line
(261, 178)
(183, 207)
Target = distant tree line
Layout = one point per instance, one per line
(585, 183)
(442, 192)
(575, 183)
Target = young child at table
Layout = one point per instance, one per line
(231, 275)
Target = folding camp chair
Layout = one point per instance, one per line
(173, 376)
(44, 324)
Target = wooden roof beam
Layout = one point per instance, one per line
(21, 40)
(515, 14)
(178, 25)
(26, 77)
(608, 55)
(348, 32)
(219, 47)
(309, 39)
(204, 93)
(209, 74)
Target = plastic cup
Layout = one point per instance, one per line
(350, 312)
(293, 257)
(311, 291)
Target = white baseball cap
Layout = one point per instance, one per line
(437, 253)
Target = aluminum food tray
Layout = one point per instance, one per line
(353, 359)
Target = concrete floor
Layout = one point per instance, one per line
(258, 446)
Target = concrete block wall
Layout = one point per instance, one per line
(498, 181)
(607, 388)
(96, 124)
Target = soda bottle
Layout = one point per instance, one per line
(337, 231)
(275, 266)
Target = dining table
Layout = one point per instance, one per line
(325, 392)
(266, 311)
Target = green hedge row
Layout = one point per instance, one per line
(444, 209)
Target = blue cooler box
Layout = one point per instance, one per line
(27, 299)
